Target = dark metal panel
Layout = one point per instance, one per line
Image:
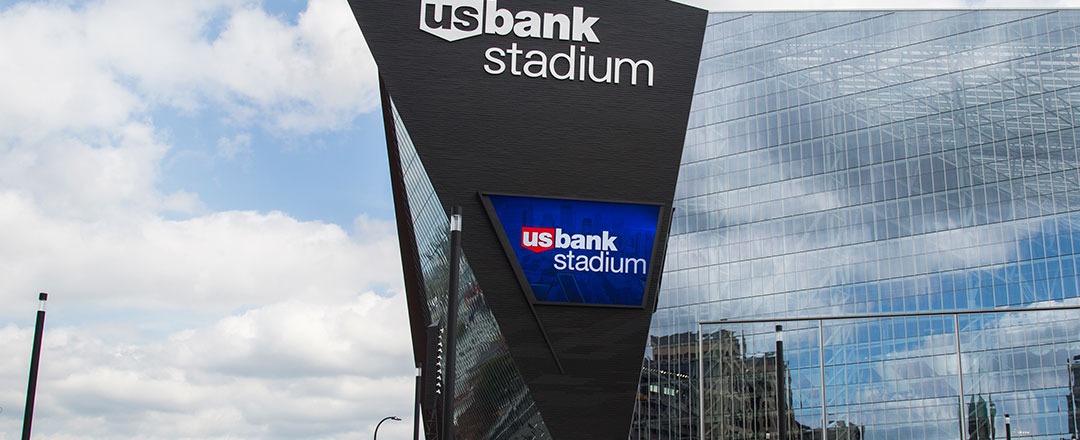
(414, 286)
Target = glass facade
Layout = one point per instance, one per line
(882, 162)
(492, 400)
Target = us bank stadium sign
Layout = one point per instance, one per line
(576, 251)
(453, 20)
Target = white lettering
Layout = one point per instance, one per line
(592, 71)
(570, 62)
(582, 263)
(604, 261)
(562, 241)
(528, 25)
(601, 263)
(583, 26)
(529, 239)
(498, 21)
(550, 20)
(560, 262)
(567, 66)
(514, 52)
(540, 63)
(609, 242)
(490, 56)
(453, 20)
(619, 62)
(545, 239)
(578, 242)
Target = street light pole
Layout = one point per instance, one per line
(395, 418)
(35, 358)
(451, 324)
(416, 405)
(780, 400)
(1008, 428)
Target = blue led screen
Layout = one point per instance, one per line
(580, 252)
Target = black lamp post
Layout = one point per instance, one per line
(451, 325)
(395, 418)
(35, 358)
(780, 400)
(1008, 428)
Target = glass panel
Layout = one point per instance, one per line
(1026, 365)
(892, 378)
(492, 399)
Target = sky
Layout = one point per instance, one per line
(202, 188)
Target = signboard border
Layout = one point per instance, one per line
(519, 273)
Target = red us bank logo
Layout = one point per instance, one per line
(537, 239)
(542, 239)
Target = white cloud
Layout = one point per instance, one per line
(287, 370)
(52, 82)
(80, 157)
(98, 65)
(167, 320)
(221, 261)
(92, 176)
(231, 147)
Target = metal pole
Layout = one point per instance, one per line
(1008, 428)
(821, 369)
(780, 401)
(960, 374)
(1072, 397)
(35, 358)
(380, 424)
(720, 419)
(416, 405)
(451, 324)
(888, 315)
(1074, 409)
(701, 382)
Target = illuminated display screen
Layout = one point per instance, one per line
(579, 252)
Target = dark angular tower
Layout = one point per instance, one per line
(582, 102)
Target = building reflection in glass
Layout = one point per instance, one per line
(740, 387)
(980, 419)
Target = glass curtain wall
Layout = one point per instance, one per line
(492, 400)
(842, 163)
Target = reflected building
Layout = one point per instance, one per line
(669, 388)
(981, 416)
(742, 381)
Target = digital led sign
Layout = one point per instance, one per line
(576, 251)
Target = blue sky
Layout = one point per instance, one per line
(331, 176)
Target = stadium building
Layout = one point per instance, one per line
(649, 190)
